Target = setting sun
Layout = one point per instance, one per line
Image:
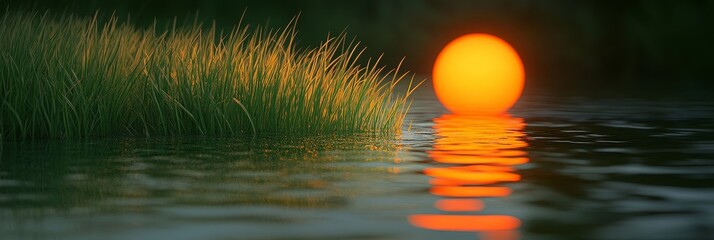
(478, 74)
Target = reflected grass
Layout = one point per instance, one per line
(118, 174)
(65, 77)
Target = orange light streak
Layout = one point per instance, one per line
(470, 191)
(464, 223)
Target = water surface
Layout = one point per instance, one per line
(554, 168)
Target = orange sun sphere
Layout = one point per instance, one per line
(478, 74)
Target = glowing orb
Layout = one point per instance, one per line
(478, 74)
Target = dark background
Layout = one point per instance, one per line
(642, 48)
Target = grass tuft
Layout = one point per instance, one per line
(70, 78)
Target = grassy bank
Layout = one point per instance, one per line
(66, 77)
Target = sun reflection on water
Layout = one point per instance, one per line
(477, 155)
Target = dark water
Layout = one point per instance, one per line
(563, 168)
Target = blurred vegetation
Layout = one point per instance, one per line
(613, 47)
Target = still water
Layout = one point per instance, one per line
(555, 168)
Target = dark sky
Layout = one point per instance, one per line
(630, 48)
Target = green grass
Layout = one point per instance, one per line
(64, 77)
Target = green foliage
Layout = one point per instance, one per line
(69, 78)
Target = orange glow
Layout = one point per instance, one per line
(484, 152)
(461, 159)
(458, 205)
(468, 175)
(465, 223)
(450, 182)
(478, 74)
(487, 168)
(458, 182)
(469, 191)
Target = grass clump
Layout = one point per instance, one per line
(67, 77)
